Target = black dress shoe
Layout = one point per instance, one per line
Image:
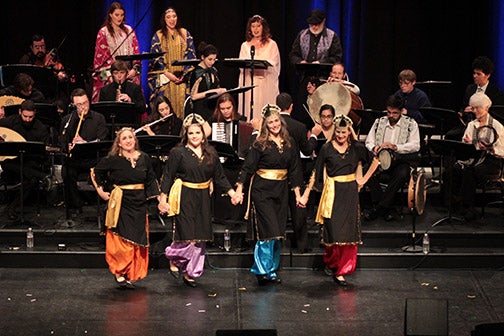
(175, 272)
(342, 283)
(276, 281)
(190, 283)
(121, 281)
(262, 280)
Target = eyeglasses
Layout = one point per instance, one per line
(404, 83)
(82, 104)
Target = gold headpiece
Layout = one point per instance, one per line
(269, 109)
(193, 118)
(341, 120)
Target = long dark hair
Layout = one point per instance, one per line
(208, 150)
(155, 115)
(266, 34)
(162, 23)
(217, 115)
(108, 22)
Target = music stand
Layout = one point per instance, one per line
(314, 69)
(437, 91)
(86, 151)
(116, 114)
(44, 77)
(235, 90)
(158, 145)
(453, 149)
(20, 148)
(186, 62)
(441, 117)
(368, 117)
(251, 64)
(139, 57)
(225, 150)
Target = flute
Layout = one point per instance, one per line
(152, 123)
(81, 117)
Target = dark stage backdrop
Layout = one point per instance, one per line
(438, 39)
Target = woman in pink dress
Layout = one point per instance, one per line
(265, 80)
(114, 38)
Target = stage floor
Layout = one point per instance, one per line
(87, 302)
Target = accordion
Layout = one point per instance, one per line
(235, 133)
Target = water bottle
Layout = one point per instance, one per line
(425, 243)
(29, 238)
(227, 240)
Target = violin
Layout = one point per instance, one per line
(51, 62)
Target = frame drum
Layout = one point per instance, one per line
(417, 192)
(386, 156)
(332, 93)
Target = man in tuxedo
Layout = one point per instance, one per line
(482, 68)
(306, 144)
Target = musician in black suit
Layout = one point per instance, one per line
(482, 68)
(306, 144)
(466, 175)
(81, 125)
(25, 125)
(123, 90)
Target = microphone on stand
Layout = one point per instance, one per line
(252, 54)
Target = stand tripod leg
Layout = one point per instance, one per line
(412, 247)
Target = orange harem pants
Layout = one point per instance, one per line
(125, 258)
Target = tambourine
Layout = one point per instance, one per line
(417, 193)
(386, 156)
(486, 135)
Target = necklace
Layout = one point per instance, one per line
(132, 159)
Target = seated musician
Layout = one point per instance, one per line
(123, 90)
(414, 98)
(398, 134)
(162, 120)
(326, 115)
(338, 74)
(81, 125)
(23, 87)
(468, 174)
(225, 112)
(35, 170)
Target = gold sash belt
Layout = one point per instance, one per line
(114, 203)
(272, 174)
(176, 191)
(327, 197)
(267, 174)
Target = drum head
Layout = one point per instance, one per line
(332, 93)
(417, 193)
(385, 156)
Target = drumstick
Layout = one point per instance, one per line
(311, 117)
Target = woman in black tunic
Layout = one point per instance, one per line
(187, 176)
(338, 171)
(271, 163)
(130, 171)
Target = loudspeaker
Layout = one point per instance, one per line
(426, 317)
(246, 332)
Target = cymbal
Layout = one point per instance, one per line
(142, 56)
